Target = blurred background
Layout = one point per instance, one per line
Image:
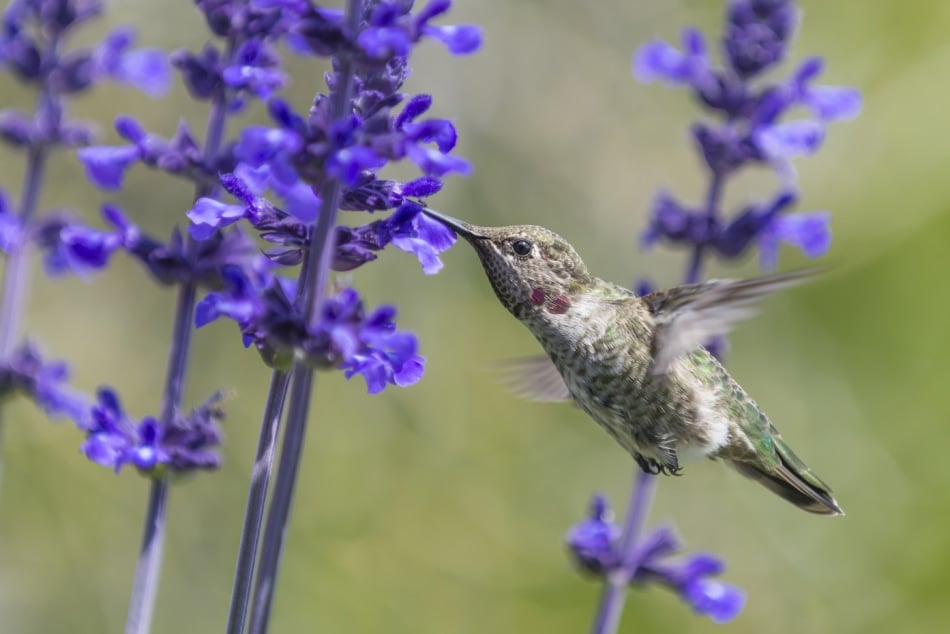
(442, 507)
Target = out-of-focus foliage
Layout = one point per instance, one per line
(442, 508)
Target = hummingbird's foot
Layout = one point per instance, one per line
(654, 467)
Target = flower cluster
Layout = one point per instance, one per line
(32, 49)
(183, 444)
(750, 130)
(300, 155)
(345, 337)
(595, 546)
(44, 382)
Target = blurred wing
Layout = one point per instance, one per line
(535, 378)
(688, 316)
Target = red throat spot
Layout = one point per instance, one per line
(537, 296)
(559, 305)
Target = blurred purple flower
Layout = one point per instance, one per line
(186, 444)
(45, 383)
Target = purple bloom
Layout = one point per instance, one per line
(658, 60)
(44, 382)
(809, 231)
(146, 69)
(757, 33)
(344, 336)
(416, 233)
(790, 140)
(593, 542)
(106, 165)
(392, 31)
(240, 301)
(693, 581)
(209, 214)
(256, 70)
(185, 444)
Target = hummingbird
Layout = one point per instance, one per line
(637, 365)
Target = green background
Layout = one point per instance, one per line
(442, 507)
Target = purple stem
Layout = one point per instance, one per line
(148, 567)
(615, 586)
(16, 274)
(311, 291)
(256, 497)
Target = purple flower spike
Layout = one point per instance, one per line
(106, 165)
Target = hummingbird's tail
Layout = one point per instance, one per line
(793, 480)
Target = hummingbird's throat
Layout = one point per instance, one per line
(557, 305)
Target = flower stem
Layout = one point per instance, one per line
(148, 567)
(311, 291)
(256, 497)
(149, 564)
(713, 195)
(16, 273)
(615, 586)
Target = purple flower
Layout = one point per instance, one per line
(185, 444)
(256, 70)
(658, 60)
(209, 214)
(593, 542)
(146, 69)
(790, 140)
(757, 33)
(692, 579)
(44, 382)
(416, 233)
(594, 545)
(392, 31)
(809, 231)
(106, 165)
(240, 301)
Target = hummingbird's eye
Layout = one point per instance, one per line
(521, 247)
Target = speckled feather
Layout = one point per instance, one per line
(637, 365)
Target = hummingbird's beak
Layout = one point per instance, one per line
(464, 229)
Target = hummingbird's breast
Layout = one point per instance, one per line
(604, 355)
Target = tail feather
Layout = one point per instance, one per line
(794, 481)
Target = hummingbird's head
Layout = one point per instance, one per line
(531, 268)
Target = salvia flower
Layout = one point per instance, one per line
(345, 336)
(71, 247)
(44, 382)
(185, 444)
(750, 129)
(594, 544)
